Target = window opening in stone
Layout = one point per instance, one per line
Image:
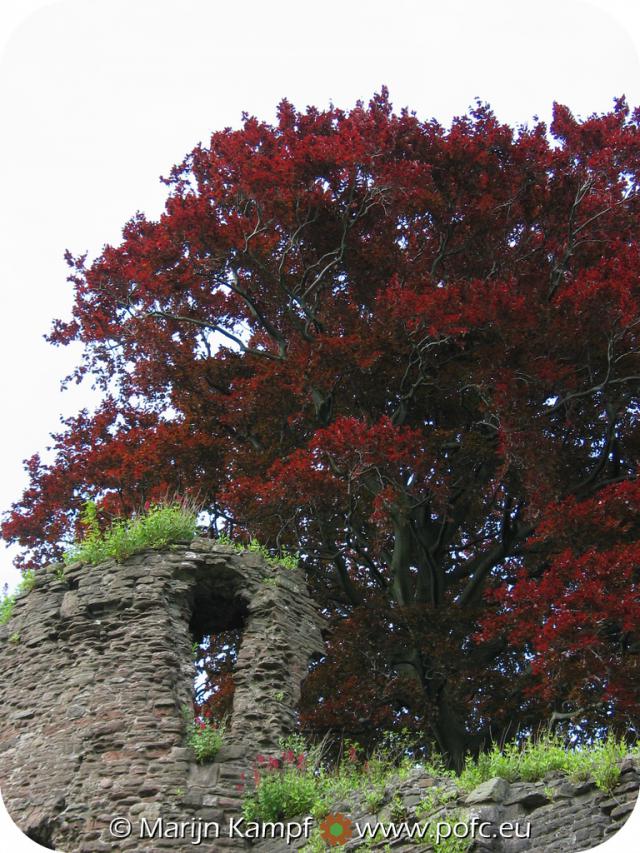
(216, 626)
(214, 686)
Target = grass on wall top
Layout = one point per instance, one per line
(159, 526)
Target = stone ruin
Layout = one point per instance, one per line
(96, 668)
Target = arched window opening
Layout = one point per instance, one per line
(217, 624)
(214, 686)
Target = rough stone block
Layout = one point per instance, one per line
(493, 790)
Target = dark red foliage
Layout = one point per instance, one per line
(215, 684)
(412, 354)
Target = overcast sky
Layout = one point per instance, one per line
(98, 98)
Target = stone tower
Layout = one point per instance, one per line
(96, 667)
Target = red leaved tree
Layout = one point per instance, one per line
(410, 353)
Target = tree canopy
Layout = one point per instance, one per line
(410, 353)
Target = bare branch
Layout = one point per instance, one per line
(204, 324)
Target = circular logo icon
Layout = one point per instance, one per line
(336, 829)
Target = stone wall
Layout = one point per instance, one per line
(96, 668)
(555, 815)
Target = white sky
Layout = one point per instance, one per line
(100, 97)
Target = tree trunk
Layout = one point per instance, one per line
(453, 739)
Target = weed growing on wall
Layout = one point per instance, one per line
(205, 737)
(157, 527)
(532, 760)
(285, 559)
(436, 799)
(449, 842)
(285, 786)
(8, 599)
(300, 782)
